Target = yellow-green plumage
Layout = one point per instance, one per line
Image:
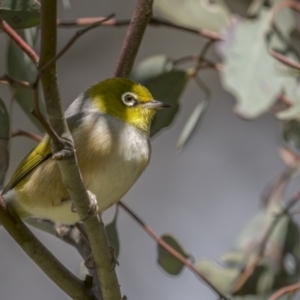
(110, 125)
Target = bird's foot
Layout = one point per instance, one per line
(66, 152)
(93, 207)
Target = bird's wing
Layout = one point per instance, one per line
(39, 154)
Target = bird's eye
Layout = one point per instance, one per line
(129, 99)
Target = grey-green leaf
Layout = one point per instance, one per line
(167, 261)
(4, 139)
(291, 133)
(113, 236)
(151, 67)
(191, 124)
(250, 72)
(167, 87)
(20, 66)
(194, 14)
(20, 14)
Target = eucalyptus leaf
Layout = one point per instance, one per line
(167, 261)
(164, 83)
(113, 236)
(151, 67)
(20, 14)
(291, 133)
(194, 14)
(191, 124)
(4, 141)
(167, 87)
(20, 66)
(250, 72)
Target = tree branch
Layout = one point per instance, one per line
(153, 22)
(133, 38)
(30, 135)
(61, 276)
(68, 163)
(19, 41)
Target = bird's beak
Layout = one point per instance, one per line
(156, 104)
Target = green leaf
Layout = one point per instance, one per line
(4, 121)
(249, 70)
(167, 261)
(191, 124)
(194, 14)
(20, 66)
(113, 236)
(167, 87)
(291, 133)
(20, 14)
(151, 67)
(164, 83)
(4, 141)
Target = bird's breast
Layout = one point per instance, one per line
(111, 158)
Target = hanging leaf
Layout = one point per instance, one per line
(20, 66)
(113, 236)
(167, 261)
(249, 71)
(194, 14)
(191, 124)
(291, 133)
(164, 83)
(4, 139)
(20, 14)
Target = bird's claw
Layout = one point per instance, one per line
(93, 207)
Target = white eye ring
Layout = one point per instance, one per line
(129, 99)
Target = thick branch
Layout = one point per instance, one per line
(19, 41)
(69, 283)
(68, 165)
(134, 35)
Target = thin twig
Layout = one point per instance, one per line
(7, 79)
(133, 38)
(168, 248)
(19, 41)
(77, 35)
(30, 135)
(153, 22)
(285, 60)
(285, 290)
(69, 283)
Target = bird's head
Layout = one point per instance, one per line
(126, 100)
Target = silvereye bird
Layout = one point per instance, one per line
(110, 125)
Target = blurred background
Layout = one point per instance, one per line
(203, 194)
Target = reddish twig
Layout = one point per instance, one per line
(19, 41)
(153, 21)
(285, 290)
(77, 35)
(168, 248)
(285, 60)
(30, 135)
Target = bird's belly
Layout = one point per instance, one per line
(112, 183)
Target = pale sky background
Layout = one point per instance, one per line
(203, 195)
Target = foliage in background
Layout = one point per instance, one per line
(259, 84)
